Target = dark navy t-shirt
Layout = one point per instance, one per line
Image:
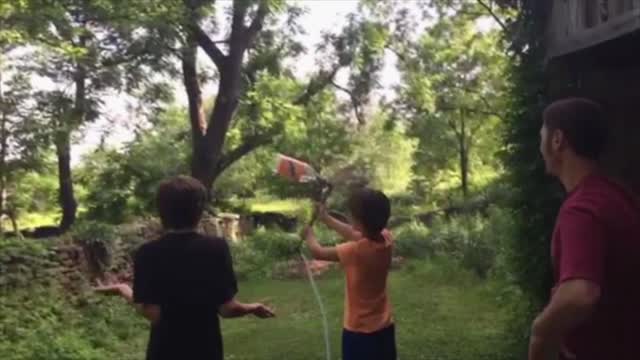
(189, 276)
(597, 238)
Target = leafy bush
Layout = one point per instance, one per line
(503, 226)
(413, 241)
(249, 263)
(277, 244)
(42, 323)
(22, 261)
(461, 238)
(98, 242)
(256, 255)
(480, 244)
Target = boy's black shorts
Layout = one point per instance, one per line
(380, 345)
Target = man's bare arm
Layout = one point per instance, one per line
(571, 304)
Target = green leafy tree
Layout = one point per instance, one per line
(121, 184)
(254, 44)
(385, 155)
(85, 48)
(320, 132)
(453, 92)
(21, 136)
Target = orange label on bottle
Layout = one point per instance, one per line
(294, 169)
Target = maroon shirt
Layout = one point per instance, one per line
(597, 238)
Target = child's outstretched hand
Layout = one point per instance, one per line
(261, 311)
(118, 289)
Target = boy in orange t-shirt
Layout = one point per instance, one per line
(369, 332)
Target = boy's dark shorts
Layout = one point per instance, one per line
(380, 345)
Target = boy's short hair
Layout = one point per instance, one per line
(371, 208)
(582, 121)
(181, 202)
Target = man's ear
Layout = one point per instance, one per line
(558, 141)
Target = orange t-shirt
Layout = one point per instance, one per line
(366, 264)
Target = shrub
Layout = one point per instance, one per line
(98, 242)
(413, 241)
(480, 244)
(23, 260)
(42, 322)
(461, 238)
(503, 228)
(249, 262)
(276, 244)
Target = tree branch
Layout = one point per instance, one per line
(317, 84)
(250, 144)
(175, 51)
(354, 102)
(192, 88)
(126, 57)
(468, 109)
(487, 104)
(237, 19)
(258, 21)
(493, 15)
(209, 46)
(453, 127)
(396, 52)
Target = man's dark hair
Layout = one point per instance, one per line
(371, 208)
(181, 202)
(583, 124)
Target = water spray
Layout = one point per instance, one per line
(301, 172)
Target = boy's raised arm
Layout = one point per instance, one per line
(345, 230)
(318, 251)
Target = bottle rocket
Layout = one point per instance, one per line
(294, 169)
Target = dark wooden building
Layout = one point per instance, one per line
(593, 50)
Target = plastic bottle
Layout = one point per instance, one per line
(294, 169)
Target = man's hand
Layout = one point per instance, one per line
(118, 289)
(261, 311)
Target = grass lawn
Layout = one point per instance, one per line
(441, 314)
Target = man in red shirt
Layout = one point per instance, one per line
(594, 312)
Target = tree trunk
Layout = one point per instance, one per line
(14, 224)
(209, 144)
(66, 195)
(3, 181)
(3, 171)
(3, 153)
(464, 156)
(196, 112)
